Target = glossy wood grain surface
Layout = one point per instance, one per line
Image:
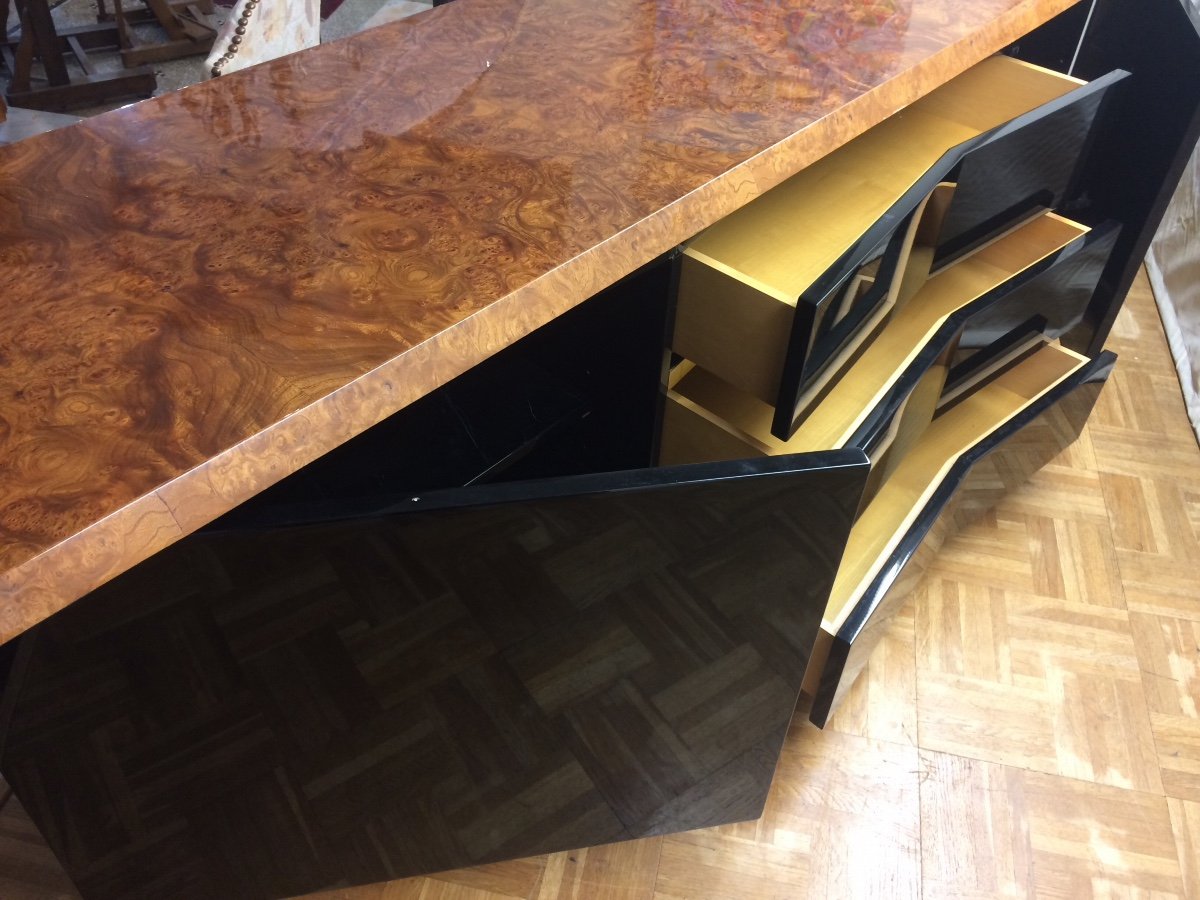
(203, 292)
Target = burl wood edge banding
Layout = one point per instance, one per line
(206, 291)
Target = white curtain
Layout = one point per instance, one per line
(273, 28)
(1174, 268)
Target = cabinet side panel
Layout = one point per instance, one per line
(1148, 133)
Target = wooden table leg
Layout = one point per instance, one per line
(40, 38)
(38, 22)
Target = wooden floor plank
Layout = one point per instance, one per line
(1185, 822)
(842, 821)
(1095, 840)
(975, 840)
(1029, 679)
(990, 830)
(624, 871)
(498, 881)
(517, 878)
(882, 704)
(706, 865)
(1178, 742)
(859, 801)
(1167, 651)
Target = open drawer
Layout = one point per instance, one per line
(1022, 417)
(708, 418)
(776, 293)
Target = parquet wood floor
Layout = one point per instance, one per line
(1028, 726)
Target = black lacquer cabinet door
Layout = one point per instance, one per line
(455, 677)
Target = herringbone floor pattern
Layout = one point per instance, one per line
(1028, 726)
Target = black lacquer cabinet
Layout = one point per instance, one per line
(973, 308)
(572, 597)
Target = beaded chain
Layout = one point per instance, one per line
(234, 41)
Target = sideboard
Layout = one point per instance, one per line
(468, 439)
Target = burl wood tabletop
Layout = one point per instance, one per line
(205, 291)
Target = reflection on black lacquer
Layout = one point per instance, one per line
(499, 672)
